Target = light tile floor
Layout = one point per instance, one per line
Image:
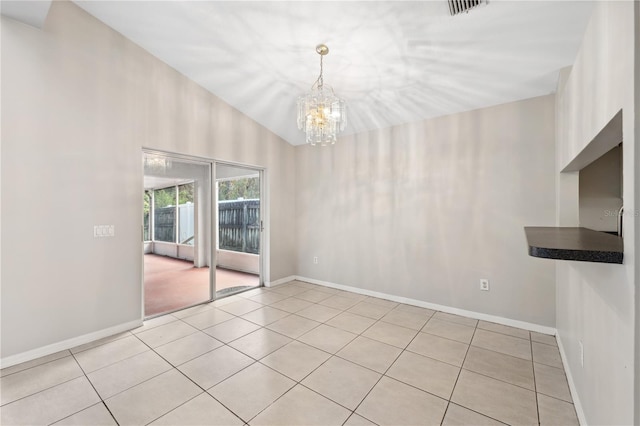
(297, 354)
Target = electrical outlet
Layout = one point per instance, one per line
(315, 259)
(484, 284)
(581, 353)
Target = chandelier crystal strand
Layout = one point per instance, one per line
(321, 114)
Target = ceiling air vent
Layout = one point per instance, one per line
(459, 6)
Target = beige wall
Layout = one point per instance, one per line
(79, 102)
(600, 192)
(425, 210)
(596, 302)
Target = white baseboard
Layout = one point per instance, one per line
(448, 309)
(237, 269)
(67, 344)
(572, 386)
(280, 281)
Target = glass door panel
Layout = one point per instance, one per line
(239, 229)
(176, 233)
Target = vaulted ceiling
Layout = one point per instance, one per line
(393, 61)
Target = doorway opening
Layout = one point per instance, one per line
(198, 213)
(176, 233)
(239, 203)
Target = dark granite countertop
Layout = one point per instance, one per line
(580, 244)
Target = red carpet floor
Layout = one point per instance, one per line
(171, 284)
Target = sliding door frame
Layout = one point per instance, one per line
(264, 254)
(197, 247)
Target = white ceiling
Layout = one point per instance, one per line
(157, 182)
(32, 12)
(393, 62)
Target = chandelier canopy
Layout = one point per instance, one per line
(321, 114)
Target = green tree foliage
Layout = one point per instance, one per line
(147, 202)
(147, 211)
(246, 188)
(167, 196)
(164, 197)
(185, 193)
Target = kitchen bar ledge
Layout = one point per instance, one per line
(579, 244)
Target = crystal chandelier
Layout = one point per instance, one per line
(321, 114)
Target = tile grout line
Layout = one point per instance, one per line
(144, 381)
(226, 378)
(258, 360)
(191, 399)
(500, 380)
(406, 349)
(188, 378)
(95, 390)
(174, 367)
(449, 402)
(384, 374)
(40, 391)
(37, 365)
(101, 344)
(299, 382)
(459, 372)
(84, 373)
(535, 385)
(504, 334)
(555, 397)
(170, 341)
(331, 355)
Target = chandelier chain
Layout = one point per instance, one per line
(320, 80)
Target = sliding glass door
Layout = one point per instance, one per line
(203, 233)
(177, 232)
(239, 228)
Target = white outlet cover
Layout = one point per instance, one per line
(484, 284)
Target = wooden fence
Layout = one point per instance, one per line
(239, 225)
(164, 220)
(165, 224)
